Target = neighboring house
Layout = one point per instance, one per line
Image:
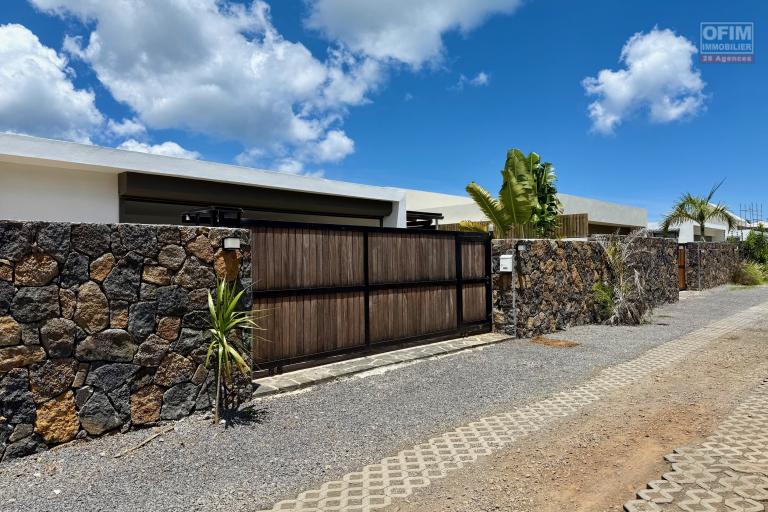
(50, 180)
(714, 231)
(602, 217)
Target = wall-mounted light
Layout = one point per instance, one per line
(231, 243)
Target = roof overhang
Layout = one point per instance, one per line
(35, 151)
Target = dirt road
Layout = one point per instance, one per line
(595, 460)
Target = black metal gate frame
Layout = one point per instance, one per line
(463, 328)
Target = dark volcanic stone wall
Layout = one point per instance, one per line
(551, 287)
(710, 264)
(102, 327)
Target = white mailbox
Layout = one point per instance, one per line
(506, 263)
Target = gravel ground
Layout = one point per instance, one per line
(299, 440)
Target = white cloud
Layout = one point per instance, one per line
(219, 68)
(482, 78)
(167, 148)
(408, 31)
(125, 128)
(334, 147)
(479, 80)
(658, 76)
(37, 96)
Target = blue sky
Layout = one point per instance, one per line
(404, 95)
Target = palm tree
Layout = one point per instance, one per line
(699, 210)
(527, 196)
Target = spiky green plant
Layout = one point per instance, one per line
(623, 300)
(749, 273)
(527, 198)
(224, 349)
(699, 210)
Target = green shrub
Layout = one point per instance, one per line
(603, 294)
(755, 247)
(749, 273)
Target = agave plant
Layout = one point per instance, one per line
(527, 198)
(224, 349)
(699, 210)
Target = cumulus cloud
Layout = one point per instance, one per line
(658, 77)
(167, 148)
(222, 69)
(37, 96)
(408, 31)
(125, 128)
(479, 80)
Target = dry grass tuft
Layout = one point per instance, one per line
(552, 342)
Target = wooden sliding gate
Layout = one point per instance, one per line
(327, 289)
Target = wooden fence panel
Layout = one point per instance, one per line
(473, 260)
(411, 256)
(474, 297)
(311, 324)
(285, 258)
(409, 312)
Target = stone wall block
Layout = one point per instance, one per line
(91, 239)
(51, 378)
(102, 266)
(98, 415)
(57, 420)
(54, 238)
(141, 319)
(179, 401)
(114, 345)
(141, 238)
(20, 356)
(123, 281)
(172, 257)
(92, 310)
(75, 271)
(16, 239)
(146, 404)
(171, 300)
(10, 331)
(174, 369)
(36, 269)
(195, 274)
(32, 304)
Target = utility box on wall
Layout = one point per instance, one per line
(506, 263)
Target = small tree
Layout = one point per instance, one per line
(699, 210)
(527, 200)
(224, 348)
(755, 247)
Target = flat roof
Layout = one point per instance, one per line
(28, 150)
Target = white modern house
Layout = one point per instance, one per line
(51, 180)
(714, 231)
(603, 217)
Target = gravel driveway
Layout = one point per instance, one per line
(300, 440)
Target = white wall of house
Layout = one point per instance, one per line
(43, 179)
(456, 208)
(43, 193)
(689, 231)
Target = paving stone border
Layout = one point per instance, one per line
(102, 326)
(728, 472)
(266, 386)
(377, 485)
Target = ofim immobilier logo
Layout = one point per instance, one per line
(727, 42)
